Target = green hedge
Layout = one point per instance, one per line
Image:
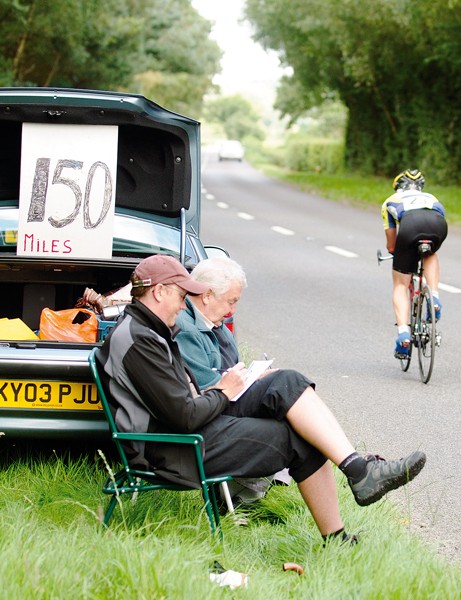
(313, 155)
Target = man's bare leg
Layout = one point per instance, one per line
(320, 495)
(313, 421)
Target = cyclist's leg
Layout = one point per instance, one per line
(431, 272)
(434, 228)
(401, 301)
(400, 297)
(404, 264)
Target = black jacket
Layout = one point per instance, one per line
(150, 390)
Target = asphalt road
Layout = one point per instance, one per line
(318, 302)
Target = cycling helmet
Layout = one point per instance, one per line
(411, 178)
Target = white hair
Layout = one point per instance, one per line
(219, 273)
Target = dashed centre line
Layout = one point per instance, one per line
(282, 230)
(245, 216)
(222, 205)
(341, 251)
(449, 288)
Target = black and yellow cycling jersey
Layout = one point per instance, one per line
(394, 208)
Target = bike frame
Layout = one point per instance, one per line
(423, 330)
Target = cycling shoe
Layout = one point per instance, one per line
(437, 310)
(402, 345)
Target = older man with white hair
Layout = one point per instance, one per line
(209, 348)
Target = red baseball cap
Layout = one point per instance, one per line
(166, 269)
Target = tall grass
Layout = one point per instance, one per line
(53, 546)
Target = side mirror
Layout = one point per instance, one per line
(213, 251)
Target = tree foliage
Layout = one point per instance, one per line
(159, 48)
(238, 117)
(59, 43)
(393, 63)
(178, 59)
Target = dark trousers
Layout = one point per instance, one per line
(252, 438)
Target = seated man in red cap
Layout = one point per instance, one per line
(279, 422)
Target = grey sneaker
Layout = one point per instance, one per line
(385, 475)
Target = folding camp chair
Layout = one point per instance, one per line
(134, 481)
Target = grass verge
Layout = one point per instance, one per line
(358, 189)
(53, 546)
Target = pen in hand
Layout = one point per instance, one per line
(267, 358)
(238, 367)
(232, 380)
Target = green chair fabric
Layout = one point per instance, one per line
(133, 481)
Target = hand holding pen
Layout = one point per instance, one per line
(233, 380)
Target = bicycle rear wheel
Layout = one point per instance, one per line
(425, 333)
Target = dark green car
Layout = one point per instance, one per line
(91, 182)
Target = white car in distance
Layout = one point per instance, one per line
(231, 150)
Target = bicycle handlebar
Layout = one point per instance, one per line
(381, 257)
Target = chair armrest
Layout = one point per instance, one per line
(170, 438)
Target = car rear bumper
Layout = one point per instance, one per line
(32, 424)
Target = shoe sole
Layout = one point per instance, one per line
(404, 351)
(402, 479)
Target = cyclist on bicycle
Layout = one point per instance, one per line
(410, 215)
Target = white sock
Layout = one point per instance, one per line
(403, 329)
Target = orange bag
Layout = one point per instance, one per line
(71, 325)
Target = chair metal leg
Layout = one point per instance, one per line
(227, 496)
(135, 495)
(110, 509)
(210, 501)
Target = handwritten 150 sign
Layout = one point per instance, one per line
(67, 193)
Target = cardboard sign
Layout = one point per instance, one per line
(67, 193)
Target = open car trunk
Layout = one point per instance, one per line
(27, 287)
(62, 153)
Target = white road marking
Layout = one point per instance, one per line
(245, 216)
(282, 230)
(222, 205)
(341, 251)
(449, 288)
(209, 197)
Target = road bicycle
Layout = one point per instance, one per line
(423, 326)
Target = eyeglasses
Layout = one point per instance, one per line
(182, 293)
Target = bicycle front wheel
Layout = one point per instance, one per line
(425, 333)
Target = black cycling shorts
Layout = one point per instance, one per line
(416, 225)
